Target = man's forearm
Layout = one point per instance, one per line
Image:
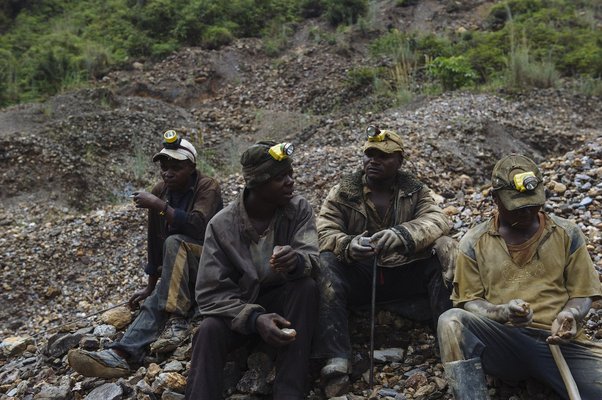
(486, 309)
(579, 307)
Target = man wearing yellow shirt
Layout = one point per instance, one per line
(524, 280)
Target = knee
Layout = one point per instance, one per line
(449, 319)
(173, 242)
(208, 329)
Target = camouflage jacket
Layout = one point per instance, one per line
(417, 218)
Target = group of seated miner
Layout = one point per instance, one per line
(264, 265)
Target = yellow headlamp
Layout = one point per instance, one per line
(281, 151)
(171, 140)
(374, 134)
(527, 181)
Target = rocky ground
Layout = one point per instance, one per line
(72, 244)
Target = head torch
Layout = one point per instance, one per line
(523, 182)
(527, 181)
(171, 140)
(374, 134)
(281, 151)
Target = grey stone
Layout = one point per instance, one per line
(49, 392)
(169, 395)
(105, 331)
(392, 354)
(61, 345)
(108, 391)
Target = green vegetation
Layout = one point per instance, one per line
(529, 43)
(47, 46)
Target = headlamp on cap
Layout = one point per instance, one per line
(527, 181)
(281, 151)
(374, 134)
(171, 140)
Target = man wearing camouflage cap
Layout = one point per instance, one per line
(524, 281)
(385, 212)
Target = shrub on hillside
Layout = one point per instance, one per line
(452, 72)
(345, 11)
(216, 36)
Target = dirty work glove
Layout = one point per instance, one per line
(385, 239)
(356, 250)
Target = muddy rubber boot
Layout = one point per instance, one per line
(467, 379)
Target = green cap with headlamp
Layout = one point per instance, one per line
(518, 182)
(384, 140)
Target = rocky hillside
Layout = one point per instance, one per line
(72, 245)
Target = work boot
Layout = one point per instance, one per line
(177, 329)
(100, 364)
(466, 379)
(335, 367)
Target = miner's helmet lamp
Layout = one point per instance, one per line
(527, 181)
(171, 140)
(374, 134)
(281, 151)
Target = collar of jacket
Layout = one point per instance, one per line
(352, 187)
(288, 211)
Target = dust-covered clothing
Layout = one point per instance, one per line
(515, 354)
(236, 284)
(408, 271)
(229, 281)
(345, 214)
(174, 251)
(193, 210)
(553, 270)
(558, 270)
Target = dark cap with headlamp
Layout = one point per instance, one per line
(264, 160)
(518, 182)
(176, 147)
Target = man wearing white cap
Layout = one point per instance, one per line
(179, 208)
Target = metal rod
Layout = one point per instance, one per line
(565, 373)
(372, 316)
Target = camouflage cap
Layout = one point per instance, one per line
(390, 144)
(511, 191)
(258, 166)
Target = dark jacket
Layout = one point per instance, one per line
(228, 283)
(204, 200)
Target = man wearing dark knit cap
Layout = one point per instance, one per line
(254, 277)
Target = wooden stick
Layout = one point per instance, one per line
(565, 373)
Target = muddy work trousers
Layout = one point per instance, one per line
(297, 301)
(342, 286)
(173, 296)
(515, 354)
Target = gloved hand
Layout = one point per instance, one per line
(359, 251)
(385, 239)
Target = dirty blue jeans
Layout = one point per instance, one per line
(173, 296)
(344, 286)
(516, 354)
